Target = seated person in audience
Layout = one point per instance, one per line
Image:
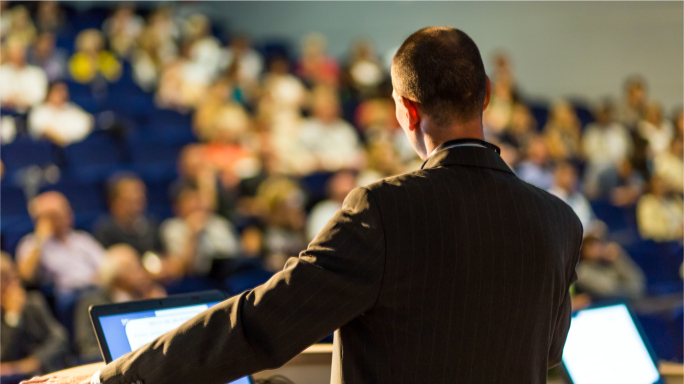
(282, 203)
(242, 63)
(122, 29)
(622, 188)
(57, 254)
(605, 271)
(50, 17)
(32, 340)
(364, 69)
(127, 222)
(632, 108)
(521, 128)
(91, 61)
(123, 279)
(536, 168)
(23, 85)
(660, 212)
(59, 120)
(656, 130)
(315, 66)
(198, 239)
(669, 165)
(563, 133)
(338, 187)
(19, 26)
(330, 142)
(606, 144)
(45, 55)
(195, 172)
(565, 187)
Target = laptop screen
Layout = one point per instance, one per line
(605, 346)
(127, 332)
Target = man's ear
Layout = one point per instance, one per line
(488, 94)
(412, 113)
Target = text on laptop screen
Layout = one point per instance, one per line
(127, 332)
(605, 347)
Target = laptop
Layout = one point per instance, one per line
(606, 345)
(125, 327)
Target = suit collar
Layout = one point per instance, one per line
(469, 156)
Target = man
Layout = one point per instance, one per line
(57, 254)
(127, 222)
(58, 119)
(124, 279)
(32, 340)
(458, 272)
(22, 85)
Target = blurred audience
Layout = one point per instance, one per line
(122, 29)
(563, 133)
(536, 168)
(197, 238)
(59, 120)
(338, 187)
(656, 130)
(45, 55)
(660, 212)
(123, 278)
(565, 187)
(32, 342)
(127, 222)
(57, 254)
(605, 271)
(330, 142)
(92, 62)
(633, 106)
(315, 66)
(669, 165)
(606, 143)
(23, 85)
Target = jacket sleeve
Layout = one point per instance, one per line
(332, 282)
(562, 326)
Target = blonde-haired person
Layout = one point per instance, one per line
(563, 132)
(92, 60)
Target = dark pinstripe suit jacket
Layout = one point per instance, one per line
(457, 273)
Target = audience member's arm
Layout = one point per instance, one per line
(30, 250)
(54, 341)
(334, 281)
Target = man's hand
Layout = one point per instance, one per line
(58, 380)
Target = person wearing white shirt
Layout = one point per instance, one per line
(606, 144)
(656, 130)
(58, 119)
(565, 188)
(247, 62)
(331, 143)
(22, 85)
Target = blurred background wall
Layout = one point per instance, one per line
(552, 44)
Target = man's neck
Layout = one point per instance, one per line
(468, 130)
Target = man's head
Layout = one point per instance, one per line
(126, 195)
(439, 83)
(189, 201)
(16, 52)
(58, 94)
(123, 270)
(55, 208)
(566, 177)
(340, 184)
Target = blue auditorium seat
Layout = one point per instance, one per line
(314, 186)
(14, 207)
(540, 113)
(24, 152)
(158, 198)
(172, 134)
(583, 112)
(247, 279)
(94, 159)
(154, 161)
(165, 117)
(660, 263)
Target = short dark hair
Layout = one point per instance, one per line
(441, 69)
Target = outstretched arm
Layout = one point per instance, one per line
(335, 280)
